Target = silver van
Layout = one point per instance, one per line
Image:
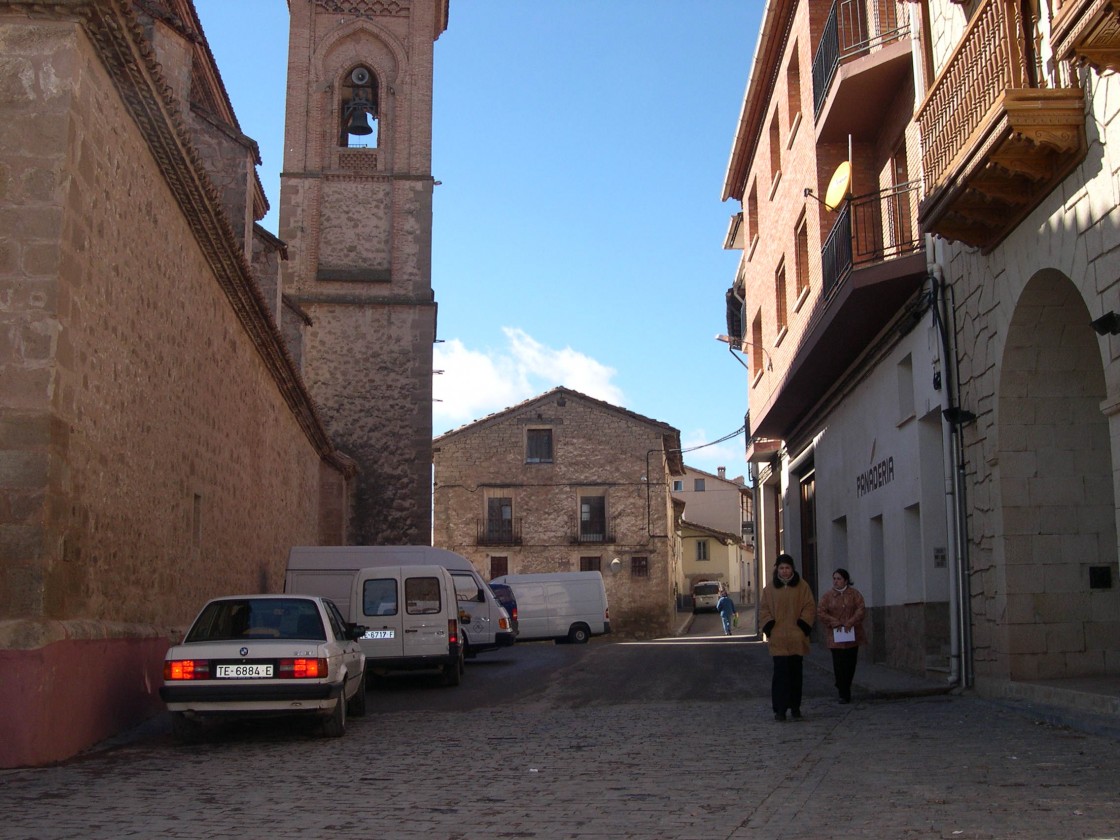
(705, 593)
(329, 570)
(563, 606)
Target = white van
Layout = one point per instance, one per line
(705, 593)
(411, 620)
(565, 606)
(329, 570)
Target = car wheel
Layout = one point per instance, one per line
(358, 701)
(579, 635)
(185, 730)
(334, 725)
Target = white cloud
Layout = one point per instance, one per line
(475, 383)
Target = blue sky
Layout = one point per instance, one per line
(578, 228)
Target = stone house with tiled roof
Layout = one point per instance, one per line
(565, 482)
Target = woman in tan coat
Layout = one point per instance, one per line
(841, 612)
(786, 612)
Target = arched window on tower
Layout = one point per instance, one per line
(359, 110)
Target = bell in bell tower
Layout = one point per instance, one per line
(356, 214)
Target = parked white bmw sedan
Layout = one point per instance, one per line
(266, 655)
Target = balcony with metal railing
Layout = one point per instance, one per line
(871, 228)
(861, 63)
(999, 130)
(873, 265)
(601, 531)
(498, 531)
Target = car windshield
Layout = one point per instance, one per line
(706, 589)
(258, 618)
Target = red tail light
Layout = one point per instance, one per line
(513, 615)
(299, 669)
(452, 631)
(186, 669)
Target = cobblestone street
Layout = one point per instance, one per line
(557, 764)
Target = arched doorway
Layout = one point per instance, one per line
(1056, 489)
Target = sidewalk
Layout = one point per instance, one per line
(872, 681)
(1088, 704)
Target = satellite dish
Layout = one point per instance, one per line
(615, 566)
(839, 187)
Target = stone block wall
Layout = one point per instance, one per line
(1042, 456)
(151, 459)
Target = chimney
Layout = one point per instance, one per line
(722, 472)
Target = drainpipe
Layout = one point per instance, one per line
(960, 625)
(757, 564)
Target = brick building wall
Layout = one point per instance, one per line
(598, 450)
(157, 447)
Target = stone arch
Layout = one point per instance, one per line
(1056, 488)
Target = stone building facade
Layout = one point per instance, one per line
(157, 444)
(566, 483)
(356, 214)
(1020, 185)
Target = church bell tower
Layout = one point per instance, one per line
(356, 214)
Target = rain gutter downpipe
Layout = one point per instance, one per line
(960, 619)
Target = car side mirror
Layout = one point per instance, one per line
(356, 631)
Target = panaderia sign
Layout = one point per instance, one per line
(878, 475)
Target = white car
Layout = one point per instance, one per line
(257, 655)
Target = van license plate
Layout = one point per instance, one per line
(243, 672)
(379, 634)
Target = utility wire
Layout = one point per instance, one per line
(742, 429)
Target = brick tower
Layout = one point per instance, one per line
(356, 213)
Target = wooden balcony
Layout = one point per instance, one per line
(998, 135)
(1087, 32)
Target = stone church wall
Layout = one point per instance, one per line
(151, 459)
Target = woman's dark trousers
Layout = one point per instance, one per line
(844, 667)
(785, 689)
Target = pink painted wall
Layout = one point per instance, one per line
(65, 697)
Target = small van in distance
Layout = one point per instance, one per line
(563, 606)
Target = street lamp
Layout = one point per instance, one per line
(734, 344)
